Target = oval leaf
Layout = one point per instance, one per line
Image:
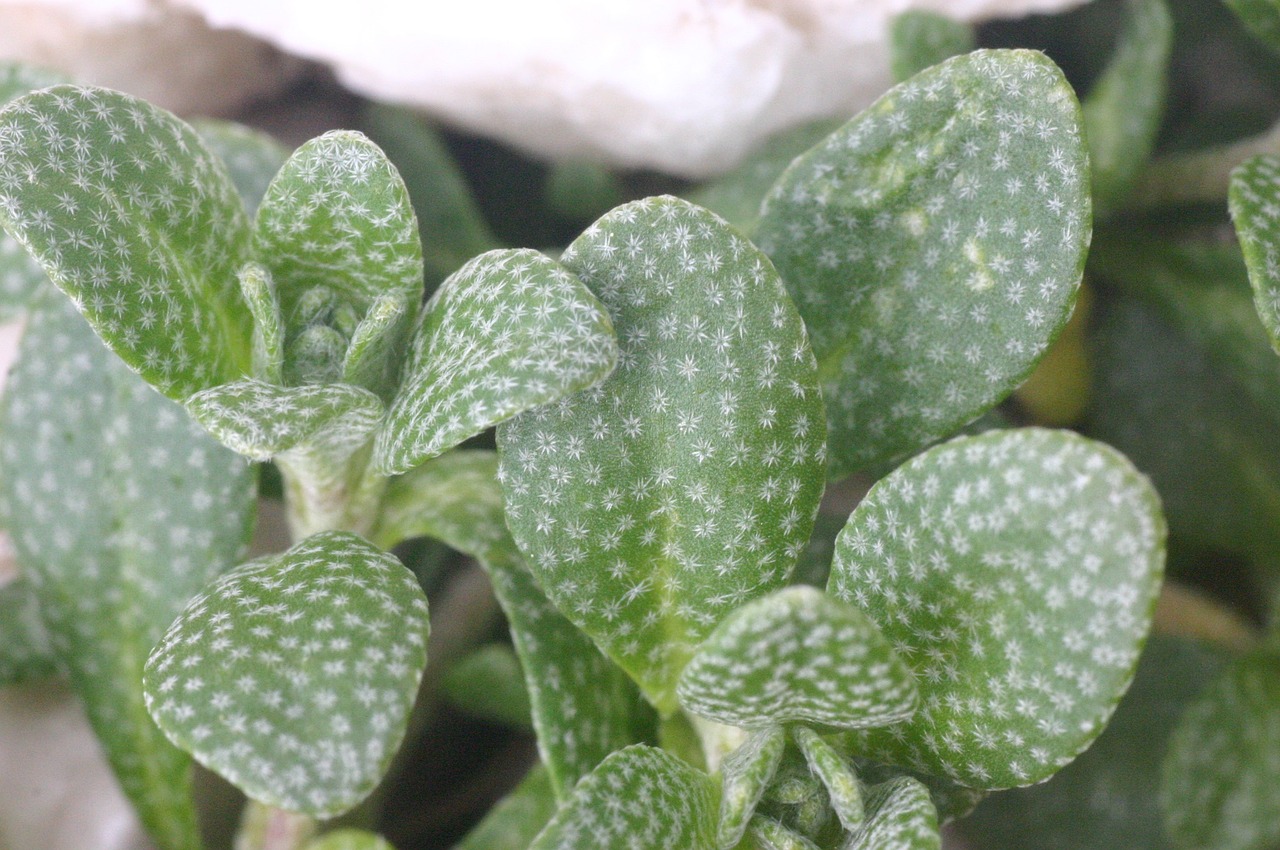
(899, 816)
(508, 331)
(132, 216)
(1222, 771)
(687, 483)
(1016, 572)
(1255, 210)
(798, 656)
(639, 798)
(934, 246)
(293, 676)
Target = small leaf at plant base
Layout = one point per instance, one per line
(1016, 572)
(934, 245)
(25, 653)
(1254, 196)
(919, 39)
(251, 156)
(1222, 769)
(584, 707)
(336, 220)
(951, 800)
(798, 656)
(268, 326)
(514, 820)
(261, 420)
(745, 774)
(837, 775)
(640, 798)
(146, 239)
(769, 834)
(293, 675)
(1262, 17)
(121, 509)
(508, 331)
(489, 684)
(350, 839)
(899, 816)
(652, 505)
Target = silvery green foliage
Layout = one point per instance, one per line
(1255, 209)
(514, 820)
(745, 774)
(268, 325)
(251, 156)
(798, 655)
(25, 652)
(1016, 572)
(132, 216)
(293, 675)
(919, 39)
(1222, 768)
(934, 246)
(951, 800)
(337, 234)
(583, 705)
(1123, 110)
(19, 274)
(121, 509)
(768, 834)
(1262, 17)
(640, 798)
(686, 484)
(899, 816)
(349, 839)
(510, 330)
(836, 773)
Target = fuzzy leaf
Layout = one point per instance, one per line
(514, 820)
(583, 705)
(798, 655)
(1123, 110)
(951, 800)
(337, 220)
(293, 675)
(919, 39)
(687, 483)
(837, 775)
(508, 331)
(261, 420)
(1262, 17)
(746, 773)
(132, 216)
(121, 508)
(25, 652)
(268, 326)
(1255, 209)
(934, 246)
(900, 816)
(769, 834)
(1221, 774)
(488, 684)
(350, 839)
(1016, 572)
(640, 798)
(251, 156)
(20, 275)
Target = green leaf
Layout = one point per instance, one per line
(1255, 209)
(509, 331)
(515, 819)
(900, 816)
(132, 216)
(640, 798)
(1123, 110)
(798, 655)
(261, 420)
(1108, 797)
(769, 834)
(121, 508)
(583, 706)
(350, 839)
(837, 775)
(745, 775)
(951, 800)
(919, 39)
(268, 325)
(1262, 17)
(251, 156)
(488, 684)
(686, 484)
(449, 222)
(25, 652)
(293, 675)
(20, 275)
(1016, 572)
(336, 224)
(934, 246)
(1222, 770)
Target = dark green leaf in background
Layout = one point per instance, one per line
(514, 820)
(293, 675)
(687, 483)
(919, 39)
(1016, 572)
(121, 509)
(1262, 17)
(489, 684)
(934, 246)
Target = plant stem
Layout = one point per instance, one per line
(264, 827)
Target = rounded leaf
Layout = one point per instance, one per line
(1255, 210)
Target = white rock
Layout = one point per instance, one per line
(684, 86)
